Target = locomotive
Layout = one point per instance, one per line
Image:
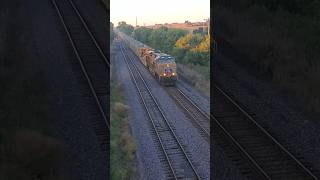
(162, 66)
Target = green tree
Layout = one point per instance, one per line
(195, 40)
(190, 41)
(199, 30)
(184, 46)
(142, 34)
(184, 42)
(163, 38)
(112, 34)
(193, 48)
(197, 58)
(179, 54)
(204, 45)
(125, 28)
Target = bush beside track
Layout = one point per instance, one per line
(122, 146)
(197, 76)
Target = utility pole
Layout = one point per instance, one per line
(208, 24)
(136, 21)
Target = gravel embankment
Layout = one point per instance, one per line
(195, 144)
(223, 166)
(200, 100)
(198, 148)
(148, 162)
(279, 113)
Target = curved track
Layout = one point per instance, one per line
(261, 155)
(93, 65)
(176, 161)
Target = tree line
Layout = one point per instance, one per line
(184, 46)
(112, 34)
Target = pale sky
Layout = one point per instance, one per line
(158, 11)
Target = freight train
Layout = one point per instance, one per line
(162, 66)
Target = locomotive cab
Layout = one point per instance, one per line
(166, 69)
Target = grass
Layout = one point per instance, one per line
(122, 144)
(198, 76)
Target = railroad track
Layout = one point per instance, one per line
(176, 160)
(199, 118)
(259, 155)
(91, 61)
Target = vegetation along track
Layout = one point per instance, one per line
(199, 118)
(93, 65)
(176, 161)
(259, 155)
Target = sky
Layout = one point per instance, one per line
(150, 12)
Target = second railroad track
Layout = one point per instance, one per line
(200, 119)
(92, 65)
(177, 163)
(259, 155)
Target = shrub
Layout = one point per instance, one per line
(120, 108)
(122, 144)
(27, 154)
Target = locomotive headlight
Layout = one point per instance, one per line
(173, 74)
(164, 74)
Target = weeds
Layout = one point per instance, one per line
(122, 144)
(197, 76)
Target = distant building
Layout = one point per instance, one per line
(189, 26)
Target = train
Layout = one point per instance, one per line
(161, 65)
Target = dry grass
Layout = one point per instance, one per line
(196, 76)
(122, 144)
(120, 108)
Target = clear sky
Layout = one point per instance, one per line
(158, 11)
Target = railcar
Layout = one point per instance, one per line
(162, 66)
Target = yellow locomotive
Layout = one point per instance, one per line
(160, 65)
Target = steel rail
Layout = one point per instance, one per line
(199, 110)
(162, 114)
(89, 32)
(197, 120)
(251, 119)
(80, 60)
